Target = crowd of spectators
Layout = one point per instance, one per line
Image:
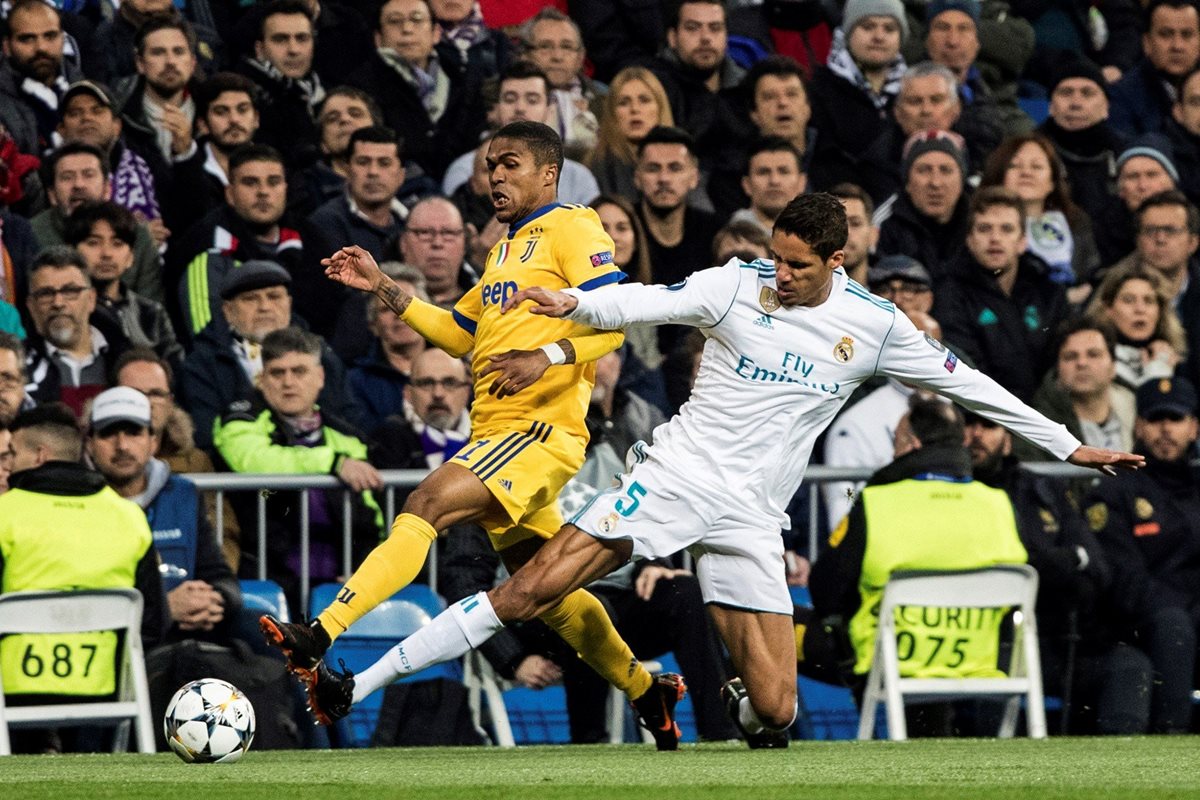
(1020, 178)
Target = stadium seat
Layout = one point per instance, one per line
(81, 612)
(258, 598)
(1007, 586)
(371, 637)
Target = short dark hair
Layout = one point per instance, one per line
(741, 229)
(775, 144)
(54, 425)
(207, 92)
(852, 191)
(1080, 325)
(1172, 197)
(667, 134)
(992, 196)
(120, 219)
(674, 9)
(50, 164)
(358, 94)
(59, 256)
(779, 66)
(25, 5)
(136, 355)
(376, 134)
(522, 70)
(935, 422)
(253, 152)
(379, 14)
(10, 342)
(278, 344)
(542, 140)
(1155, 5)
(163, 22)
(817, 219)
(277, 7)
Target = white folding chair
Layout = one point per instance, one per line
(1002, 586)
(618, 710)
(483, 684)
(81, 612)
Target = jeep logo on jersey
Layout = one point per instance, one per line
(496, 293)
(768, 299)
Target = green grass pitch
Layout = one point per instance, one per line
(1153, 768)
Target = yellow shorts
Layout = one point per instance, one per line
(524, 470)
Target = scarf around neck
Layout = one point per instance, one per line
(842, 64)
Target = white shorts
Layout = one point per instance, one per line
(738, 549)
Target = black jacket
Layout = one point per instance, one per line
(69, 479)
(1008, 337)
(42, 372)
(1148, 523)
(1139, 102)
(213, 379)
(1073, 572)
(1090, 156)
(431, 144)
(849, 123)
(911, 233)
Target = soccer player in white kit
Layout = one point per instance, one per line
(788, 342)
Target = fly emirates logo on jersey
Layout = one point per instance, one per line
(792, 369)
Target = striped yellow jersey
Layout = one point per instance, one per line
(555, 247)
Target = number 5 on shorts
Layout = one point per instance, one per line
(635, 493)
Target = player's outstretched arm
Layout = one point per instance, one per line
(354, 267)
(1107, 461)
(546, 303)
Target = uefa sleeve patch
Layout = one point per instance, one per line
(600, 259)
(951, 361)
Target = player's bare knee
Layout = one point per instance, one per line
(776, 710)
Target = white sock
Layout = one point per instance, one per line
(752, 724)
(464, 625)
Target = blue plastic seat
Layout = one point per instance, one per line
(258, 598)
(372, 636)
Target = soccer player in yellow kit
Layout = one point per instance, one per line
(534, 379)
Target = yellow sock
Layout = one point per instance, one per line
(389, 568)
(799, 630)
(580, 619)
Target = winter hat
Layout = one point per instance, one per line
(968, 7)
(857, 9)
(1077, 68)
(929, 141)
(1151, 145)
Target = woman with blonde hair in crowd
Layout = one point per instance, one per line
(635, 104)
(632, 255)
(1057, 230)
(1151, 341)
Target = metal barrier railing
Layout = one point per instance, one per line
(222, 482)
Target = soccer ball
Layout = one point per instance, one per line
(209, 721)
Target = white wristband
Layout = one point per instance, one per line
(555, 353)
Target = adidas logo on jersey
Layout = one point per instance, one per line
(765, 322)
(506, 483)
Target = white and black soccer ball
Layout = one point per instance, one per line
(209, 721)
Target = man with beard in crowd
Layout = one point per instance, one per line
(33, 74)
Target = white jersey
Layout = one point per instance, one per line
(771, 377)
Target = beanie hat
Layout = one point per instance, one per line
(930, 141)
(968, 7)
(857, 9)
(1077, 68)
(1151, 145)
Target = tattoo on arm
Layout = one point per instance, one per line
(393, 296)
(568, 349)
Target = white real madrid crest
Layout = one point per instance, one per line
(843, 351)
(768, 299)
(608, 523)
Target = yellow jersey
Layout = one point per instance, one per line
(556, 247)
